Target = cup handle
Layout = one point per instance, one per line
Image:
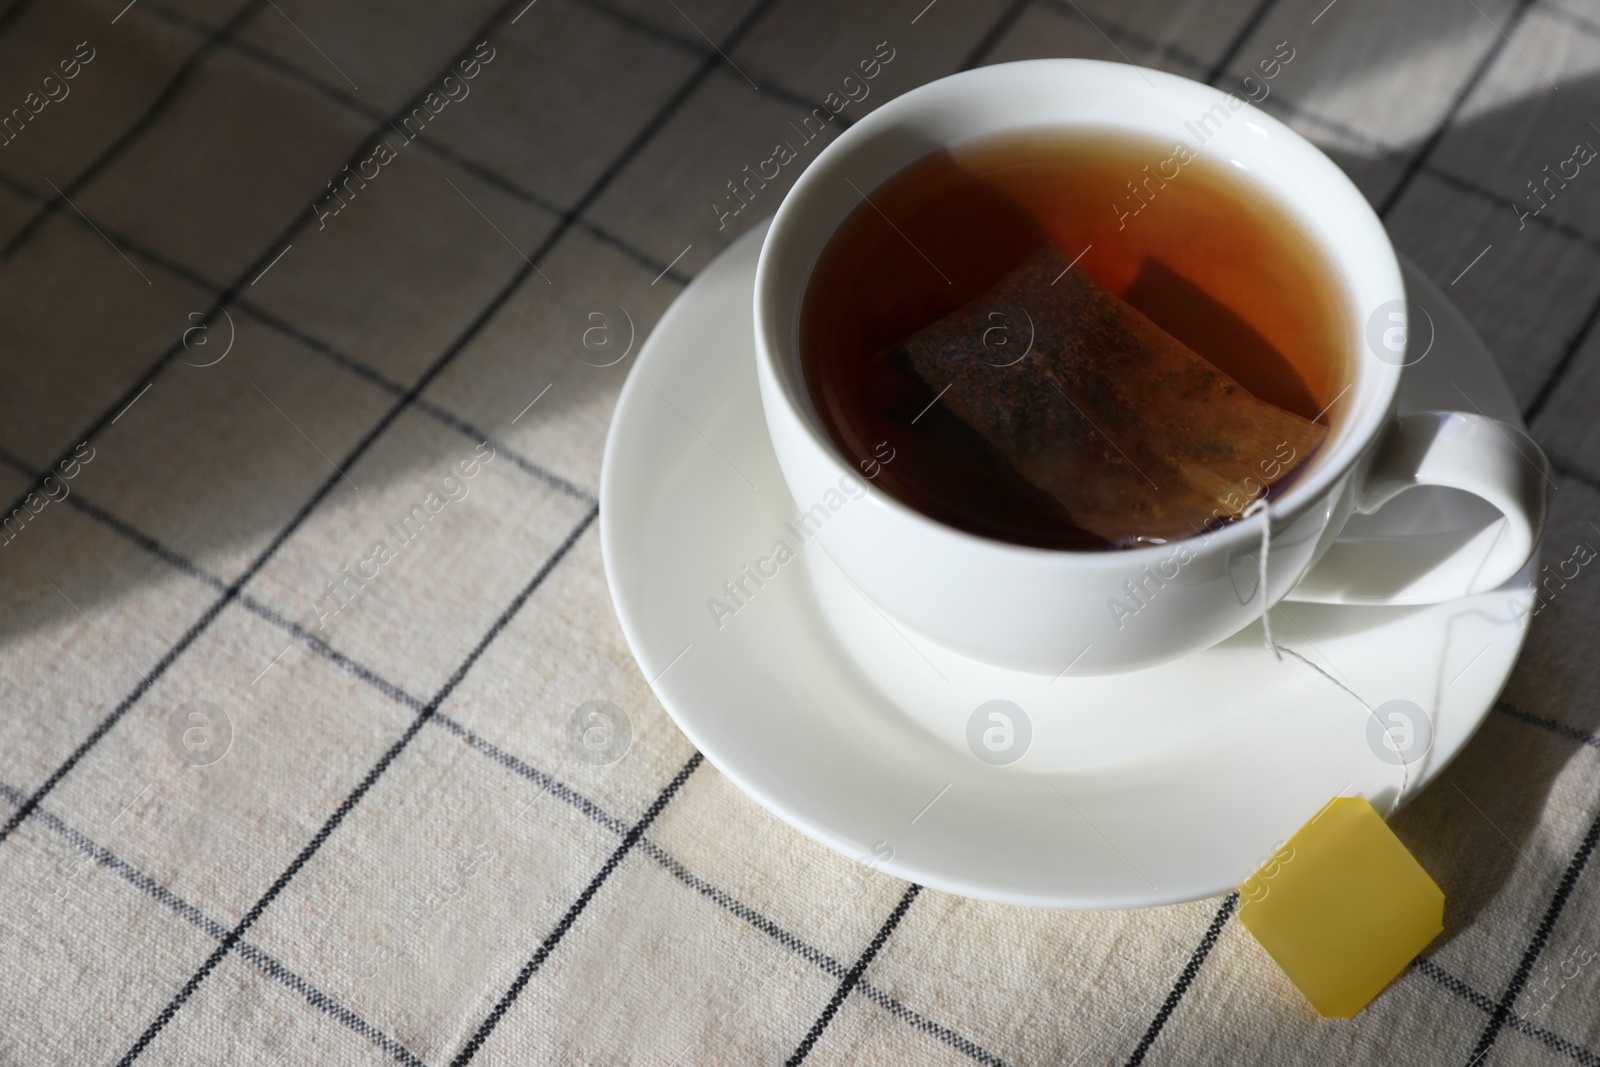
(1489, 458)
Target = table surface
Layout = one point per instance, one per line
(295, 623)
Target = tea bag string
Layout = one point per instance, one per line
(1260, 507)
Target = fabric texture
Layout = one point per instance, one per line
(296, 621)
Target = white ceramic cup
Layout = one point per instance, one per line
(1042, 610)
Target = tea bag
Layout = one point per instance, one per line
(1136, 437)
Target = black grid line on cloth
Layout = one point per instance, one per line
(1212, 71)
(1456, 985)
(210, 615)
(553, 939)
(315, 344)
(1002, 25)
(1550, 1040)
(104, 726)
(1383, 149)
(263, 611)
(1433, 170)
(901, 1011)
(523, 769)
(1571, 470)
(270, 254)
(1501, 1015)
(727, 902)
(1541, 936)
(1555, 1041)
(325, 351)
(688, 46)
(491, 177)
(570, 796)
(377, 378)
(645, 29)
(322, 348)
(1365, 139)
(1185, 979)
(335, 95)
(1240, 38)
(1505, 707)
(991, 38)
(830, 966)
(257, 957)
(1574, 344)
(826, 963)
(547, 782)
(1466, 185)
(356, 795)
(319, 347)
(122, 529)
(273, 968)
(1119, 32)
(646, 133)
(637, 25)
(1569, 356)
(152, 114)
(1197, 960)
(707, 66)
(924, 1025)
(437, 411)
(488, 175)
(1420, 162)
(1414, 166)
(853, 977)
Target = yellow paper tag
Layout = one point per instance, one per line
(1342, 907)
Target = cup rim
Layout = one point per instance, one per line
(1306, 492)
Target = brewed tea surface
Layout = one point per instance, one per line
(1191, 248)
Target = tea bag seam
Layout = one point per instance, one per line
(1259, 507)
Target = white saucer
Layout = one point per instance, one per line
(1155, 787)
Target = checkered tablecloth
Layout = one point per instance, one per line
(300, 582)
